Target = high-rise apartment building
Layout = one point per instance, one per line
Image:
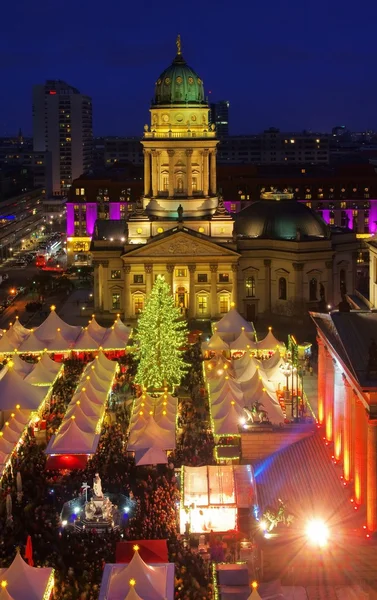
(219, 115)
(62, 125)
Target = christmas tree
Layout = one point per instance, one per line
(161, 337)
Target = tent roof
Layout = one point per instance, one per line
(220, 410)
(47, 331)
(41, 374)
(85, 423)
(6, 447)
(270, 342)
(60, 343)
(89, 408)
(25, 582)
(245, 341)
(108, 364)
(216, 343)
(152, 435)
(96, 330)
(14, 390)
(232, 322)
(21, 367)
(150, 456)
(228, 424)
(249, 370)
(151, 581)
(73, 441)
(89, 392)
(32, 344)
(49, 363)
(5, 595)
(86, 341)
(132, 595)
(113, 341)
(122, 330)
(8, 344)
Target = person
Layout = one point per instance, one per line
(97, 486)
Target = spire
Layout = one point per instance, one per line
(179, 45)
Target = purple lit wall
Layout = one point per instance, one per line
(326, 216)
(236, 203)
(91, 217)
(70, 219)
(114, 211)
(373, 217)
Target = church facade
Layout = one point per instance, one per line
(277, 256)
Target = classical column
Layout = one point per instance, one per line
(148, 269)
(189, 171)
(213, 172)
(171, 173)
(347, 428)
(299, 271)
(147, 172)
(360, 452)
(267, 284)
(330, 277)
(205, 172)
(154, 173)
(321, 380)
(96, 284)
(127, 291)
(329, 396)
(169, 276)
(191, 312)
(339, 401)
(235, 284)
(214, 310)
(372, 475)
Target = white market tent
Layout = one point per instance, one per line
(121, 329)
(25, 582)
(132, 595)
(150, 456)
(22, 367)
(227, 392)
(86, 341)
(231, 326)
(72, 441)
(89, 408)
(270, 342)
(16, 391)
(47, 330)
(32, 344)
(251, 368)
(95, 330)
(85, 423)
(217, 344)
(44, 373)
(152, 435)
(152, 582)
(229, 424)
(244, 342)
(112, 340)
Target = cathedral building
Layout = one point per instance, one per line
(275, 256)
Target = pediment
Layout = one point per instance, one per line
(181, 244)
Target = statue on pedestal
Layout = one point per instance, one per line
(90, 510)
(97, 486)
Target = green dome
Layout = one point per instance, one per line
(179, 84)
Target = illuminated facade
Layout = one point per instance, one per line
(347, 400)
(282, 258)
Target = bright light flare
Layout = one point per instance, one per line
(317, 532)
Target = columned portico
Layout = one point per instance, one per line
(321, 380)
(213, 182)
(189, 171)
(329, 396)
(154, 173)
(171, 154)
(339, 401)
(360, 453)
(127, 291)
(147, 172)
(347, 430)
(191, 311)
(169, 275)
(148, 268)
(213, 269)
(205, 171)
(372, 475)
(235, 284)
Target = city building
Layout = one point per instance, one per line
(219, 115)
(278, 256)
(106, 194)
(347, 400)
(273, 147)
(62, 125)
(123, 150)
(39, 163)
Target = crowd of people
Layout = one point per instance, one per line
(79, 556)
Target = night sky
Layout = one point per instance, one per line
(290, 64)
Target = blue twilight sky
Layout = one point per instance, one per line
(286, 63)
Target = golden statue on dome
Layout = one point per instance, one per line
(179, 44)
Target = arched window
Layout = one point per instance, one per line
(343, 281)
(313, 289)
(250, 287)
(282, 288)
(180, 184)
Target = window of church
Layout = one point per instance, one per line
(224, 303)
(115, 303)
(115, 274)
(250, 287)
(181, 272)
(139, 278)
(202, 304)
(313, 289)
(202, 277)
(282, 288)
(138, 304)
(165, 183)
(224, 278)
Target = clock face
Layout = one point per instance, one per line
(179, 118)
(165, 118)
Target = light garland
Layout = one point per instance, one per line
(49, 586)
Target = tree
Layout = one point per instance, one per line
(161, 337)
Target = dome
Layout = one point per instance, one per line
(179, 83)
(280, 220)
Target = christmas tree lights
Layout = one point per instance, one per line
(161, 336)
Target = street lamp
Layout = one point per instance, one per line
(289, 371)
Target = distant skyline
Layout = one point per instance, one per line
(293, 65)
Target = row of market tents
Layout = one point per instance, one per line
(245, 382)
(24, 390)
(55, 335)
(79, 431)
(152, 428)
(21, 581)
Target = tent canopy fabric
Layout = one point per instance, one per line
(14, 390)
(42, 375)
(122, 330)
(150, 456)
(96, 331)
(33, 344)
(152, 435)
(25, 582)
(47, 330)
(86, 341)
(22, 367)
(233, 322)
(73, 441)
(151, 581)
(245, 341)
(270, 342)
(113, 341)
(217, 344)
